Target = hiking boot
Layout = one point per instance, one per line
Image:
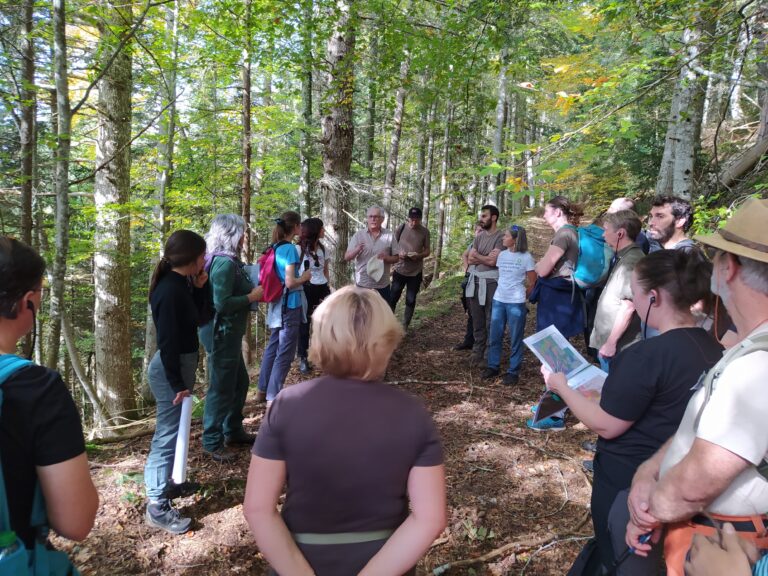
(476, 361)
(173, 490)
(304, 366)
(164, 516)
(589, 446)
(510, 379)
(490, 373)
(551, 424)
(261, 397)
(463, 346)
(241, 439)
(588, 465)
(222, 454)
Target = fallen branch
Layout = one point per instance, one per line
(411, 381)
(516, 547)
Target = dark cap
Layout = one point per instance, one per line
(414, 213)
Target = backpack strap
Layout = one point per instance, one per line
(758, 343)
(399, 231)
(9, 365)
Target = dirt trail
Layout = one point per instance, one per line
(507, 486)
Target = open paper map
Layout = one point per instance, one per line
(558, 355)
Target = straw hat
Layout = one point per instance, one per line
(745, 233)
(375, 268)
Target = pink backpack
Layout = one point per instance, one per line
(269, 279)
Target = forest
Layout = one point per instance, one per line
(123, 121)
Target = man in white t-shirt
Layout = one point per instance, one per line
(710, 469)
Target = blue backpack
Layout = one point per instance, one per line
(40, 561)
(595, 256)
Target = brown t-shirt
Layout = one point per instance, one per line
(348, 446)
(485, 243)
(416, 240)
(566, 238)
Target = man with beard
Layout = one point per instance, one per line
(483, 278)
(669, 220)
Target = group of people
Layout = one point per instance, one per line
(682, 447)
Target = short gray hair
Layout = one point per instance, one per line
(621, 204)
(225, 234)
(381, 210)
(754, 274)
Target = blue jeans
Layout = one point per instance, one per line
(227, 386)
(279, 354)
(501, 315)
(159, 465)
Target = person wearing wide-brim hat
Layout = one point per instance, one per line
(710, 470)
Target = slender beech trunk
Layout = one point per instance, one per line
(370, 132)
(737, 113)
(397, 129)
(498, 135)
(421, 156)
(111, 270)
(430, 163)
(245, 177)
(305, 181)
(63, 144)
(338, 137)
(521, 109)
(443, 191)
(166, 139)
(28, 97)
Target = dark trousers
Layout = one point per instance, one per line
(412, 284)
(481, 318)
(315, 294)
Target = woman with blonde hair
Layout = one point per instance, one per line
(354, 451)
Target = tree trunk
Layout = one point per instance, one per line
(430, 163)
(305, 181)
(521, 113)
(737, 113)
(28, 97)
(111, 270)
(63, 143)
(338, 137)
(370, 138)
(397, 129)
(498, 135)
(166, 139)
(245, 177)
(681, 145)
(421, 156)
(443, 191)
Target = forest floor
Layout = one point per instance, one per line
(518, 499)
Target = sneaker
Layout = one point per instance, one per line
(552, 424)
(589, 446)
(588, 465)
(164, 516)
(241, 439)
(511, 380)
(490, 373)
(222, 454)
(304, 366)
(173, 490)
(463, 346)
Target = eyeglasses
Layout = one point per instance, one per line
(377, 216)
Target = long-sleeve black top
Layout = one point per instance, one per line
(176, 305)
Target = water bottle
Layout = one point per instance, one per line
(8, 543)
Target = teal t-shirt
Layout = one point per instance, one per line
(285, 255)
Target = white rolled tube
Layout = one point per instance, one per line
(179, 475)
